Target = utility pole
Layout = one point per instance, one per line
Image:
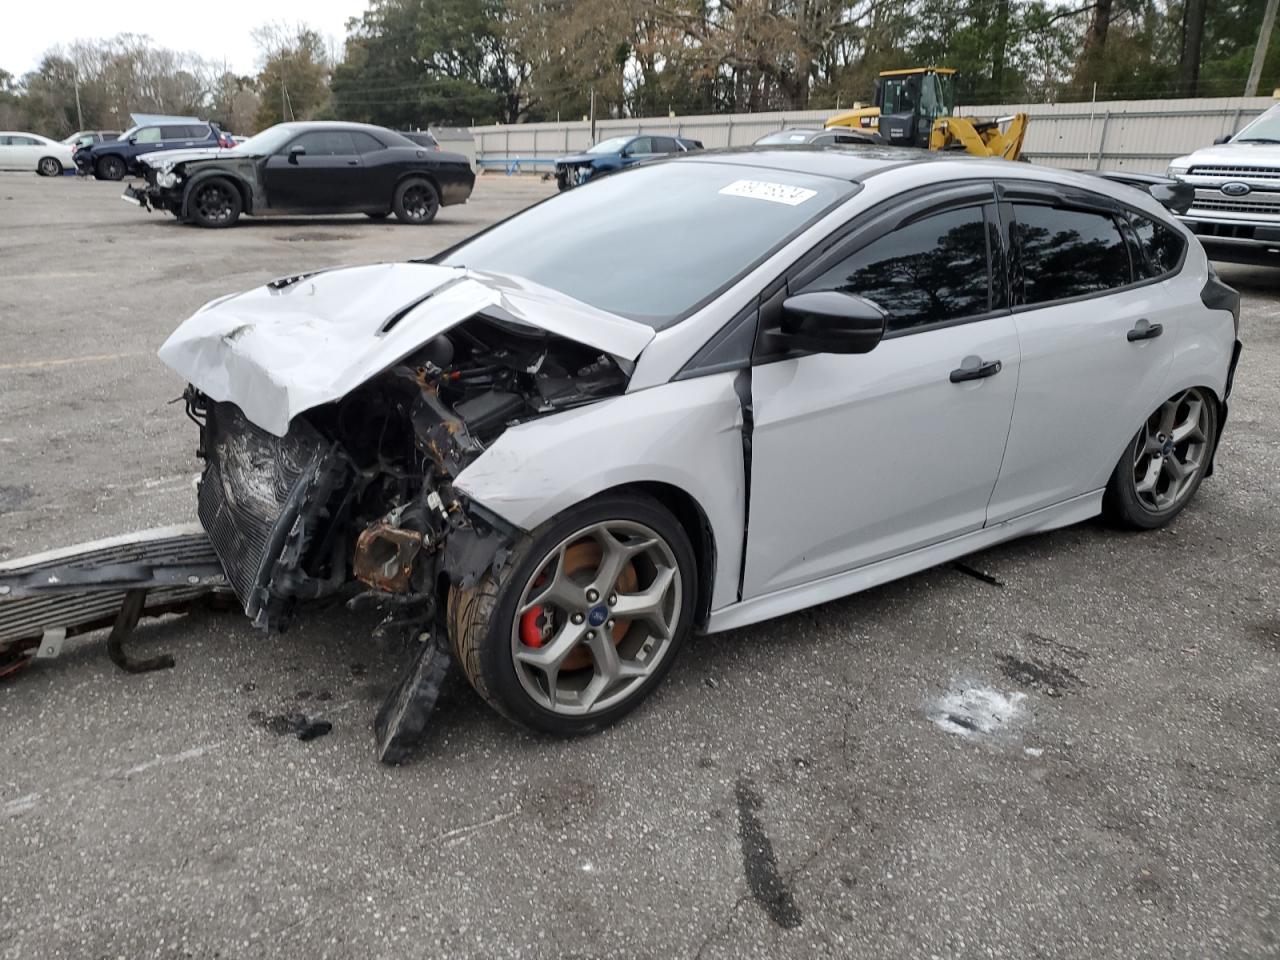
(75, 80)
(593, 114)
(1260, 51)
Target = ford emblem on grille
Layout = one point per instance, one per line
(1235, 189)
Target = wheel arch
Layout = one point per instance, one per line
(417, 175)
(693, 519)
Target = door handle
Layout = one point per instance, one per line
(353, 163)
(1144, 329)
(972, 368)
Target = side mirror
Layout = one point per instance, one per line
(295, 152)
(133, 139)
(1225, 138)
(828, 321)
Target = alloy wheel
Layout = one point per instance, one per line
(213, 203)
(1171, 450)
(50, 167)
(419, 203)
(596, 618)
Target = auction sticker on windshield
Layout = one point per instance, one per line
(773, 192)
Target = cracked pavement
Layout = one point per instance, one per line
(1109, 789)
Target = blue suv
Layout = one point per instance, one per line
(112, 159)
(616, 153)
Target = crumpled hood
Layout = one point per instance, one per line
(581, 158)
(285, 347)
(167, 158)
(1233, 154)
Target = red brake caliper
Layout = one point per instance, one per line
(530, 628)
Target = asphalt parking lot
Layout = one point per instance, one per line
(786, 793)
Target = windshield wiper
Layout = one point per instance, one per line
(1255, 140)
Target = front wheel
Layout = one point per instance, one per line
(214, 203)
(110, 168)
(1162, 467)
(416, 202)
(584, 621)
(49, 167)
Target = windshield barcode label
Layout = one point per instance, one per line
(764, 190)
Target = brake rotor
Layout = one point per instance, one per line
(538, 624)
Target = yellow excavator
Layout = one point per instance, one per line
(914, 109)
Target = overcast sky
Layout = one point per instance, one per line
(214, 30)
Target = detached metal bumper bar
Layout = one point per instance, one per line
(106, 583)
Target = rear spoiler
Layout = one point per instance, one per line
(1173, 195)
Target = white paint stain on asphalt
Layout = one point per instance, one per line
(20, 805)
(164, 759)
(977, 712)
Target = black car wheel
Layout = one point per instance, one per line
(584, 620)
(49, 167)
(110, 168)
(416, 202)
(214, 203)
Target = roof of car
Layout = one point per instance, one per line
(337, 125)
(818, 161)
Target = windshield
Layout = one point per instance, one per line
(1266, 129)
(654, 242)
(612, 145)
(269, 140)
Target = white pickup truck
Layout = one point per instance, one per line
(1236, 211)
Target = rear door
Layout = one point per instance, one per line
(324, 178)
(858, 458)
(1097, 338)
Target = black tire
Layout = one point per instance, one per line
(378, 216)
(1121, 503)
(481, 620)
(416, 202)
(214, 203)
(110, 168)
(49, 167)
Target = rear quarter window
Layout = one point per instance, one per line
(1160, 247)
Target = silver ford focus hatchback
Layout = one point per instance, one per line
(698, 394)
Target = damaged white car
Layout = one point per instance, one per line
(696, 395)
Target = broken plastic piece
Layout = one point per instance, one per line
(404, 715)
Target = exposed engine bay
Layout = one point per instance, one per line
(360, 490)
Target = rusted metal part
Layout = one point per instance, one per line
(441, 433)
(385, 556)
(134, 603)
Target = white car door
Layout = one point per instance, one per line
(24, 152)
(1097, 335)
(857, 458)
(8, 152)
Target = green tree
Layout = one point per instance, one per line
(294, 81)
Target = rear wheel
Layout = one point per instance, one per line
(416, 202)
(1161, 469)
(110, 168)
(584, 621)
(214, 203)
(49, 167)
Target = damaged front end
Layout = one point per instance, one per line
(357, 498)
(361, 490)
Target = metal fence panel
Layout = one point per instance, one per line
(1139, 135)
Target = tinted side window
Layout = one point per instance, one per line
(326, 143)
(1160, 245)
(1068, 253)
(664, 145)
(929, 271)
(823, 140)
(640, 145)
(174, 133)
(365, 143)
(197, 132)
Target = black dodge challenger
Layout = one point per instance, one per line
(305, 168)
